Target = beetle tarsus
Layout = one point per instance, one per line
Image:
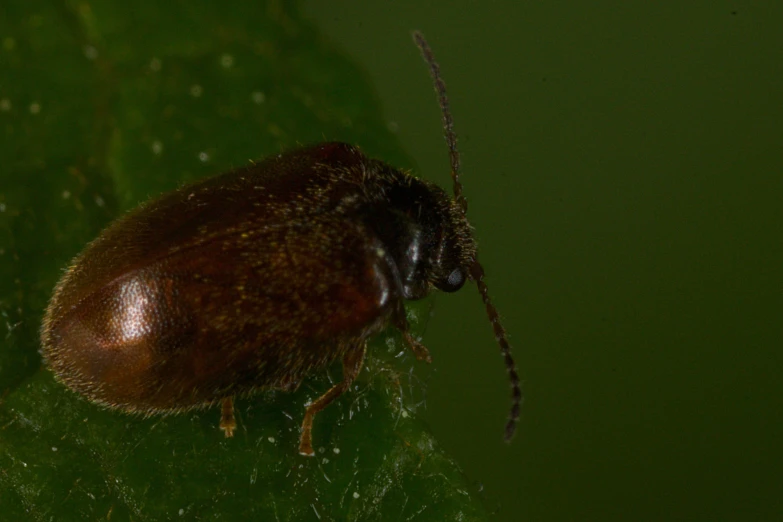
(227, 421)
(418, 349)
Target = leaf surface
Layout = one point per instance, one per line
(103, 105)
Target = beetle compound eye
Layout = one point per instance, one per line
(455, 281)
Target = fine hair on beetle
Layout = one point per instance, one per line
(256, 278)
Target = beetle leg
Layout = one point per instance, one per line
(418, 349)
(227, 421)
(352, 364)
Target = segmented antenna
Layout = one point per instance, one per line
(476, 270)
(477, 273)
(448, 123)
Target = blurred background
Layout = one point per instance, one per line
(623, 167)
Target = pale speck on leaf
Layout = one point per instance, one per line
(227, 61)
(90, 52)
(203, 157)
(35, 108)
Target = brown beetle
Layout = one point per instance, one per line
(256, 278)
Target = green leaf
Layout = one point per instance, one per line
(102, 105)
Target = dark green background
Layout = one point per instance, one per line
(624, 166)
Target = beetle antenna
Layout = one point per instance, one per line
(476, 270)
(477, 273)
(448, 122)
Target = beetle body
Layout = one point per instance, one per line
(248, 280)
(256, 278)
